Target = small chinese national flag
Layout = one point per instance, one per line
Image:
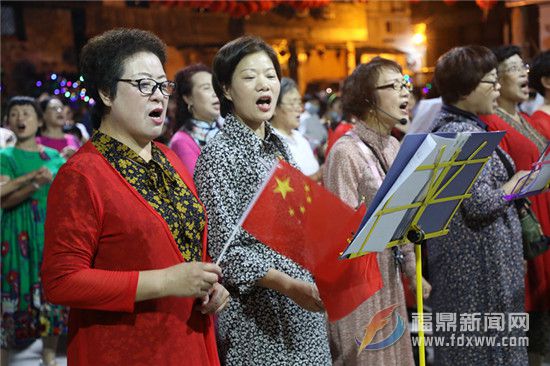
(308, 224)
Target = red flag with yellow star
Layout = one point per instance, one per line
(308, 224)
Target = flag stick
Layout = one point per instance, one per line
(246, 212)
(420, 305)
(231, 237)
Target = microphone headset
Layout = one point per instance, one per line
(402, 121)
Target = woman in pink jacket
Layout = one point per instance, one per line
(198, 109)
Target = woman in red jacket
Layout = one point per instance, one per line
(125, 232)
(524, 145)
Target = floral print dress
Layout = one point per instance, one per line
(476, 270)
(25, 314)
(260, 326)
(354, 172)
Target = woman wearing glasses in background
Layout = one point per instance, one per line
(51, 134)
(285, 122)
(477, 269)
(525, 144)
(376, 95)
(125, 233)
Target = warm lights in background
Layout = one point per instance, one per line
(282, 51)
(366, 57)
(240, 9)
(419, 35)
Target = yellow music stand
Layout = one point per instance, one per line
(440, 179)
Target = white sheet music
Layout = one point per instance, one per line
(411, 186)
(542, 177)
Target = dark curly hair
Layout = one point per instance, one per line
(540, 67)
(184, 87)
(359, 91)
(228, 57)
(102, 62)
(459, 71)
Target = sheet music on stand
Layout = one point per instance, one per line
(541, 182)
(430, 176)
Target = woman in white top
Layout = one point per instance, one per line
(286, 120)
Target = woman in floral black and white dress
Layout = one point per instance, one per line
(275, 317)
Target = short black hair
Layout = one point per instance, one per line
(287, 84)
(102, 62)
(184, 87)
(459, 71)
(24, 100)
(309, 97)
(503, 53)
(228, 57)
(540, 67)
(73, 130)
(359, 90)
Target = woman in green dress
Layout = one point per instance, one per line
(25, 316)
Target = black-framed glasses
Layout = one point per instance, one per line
(397, 86)
(494, 83)
(148, 86)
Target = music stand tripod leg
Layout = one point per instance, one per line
(416, 235)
